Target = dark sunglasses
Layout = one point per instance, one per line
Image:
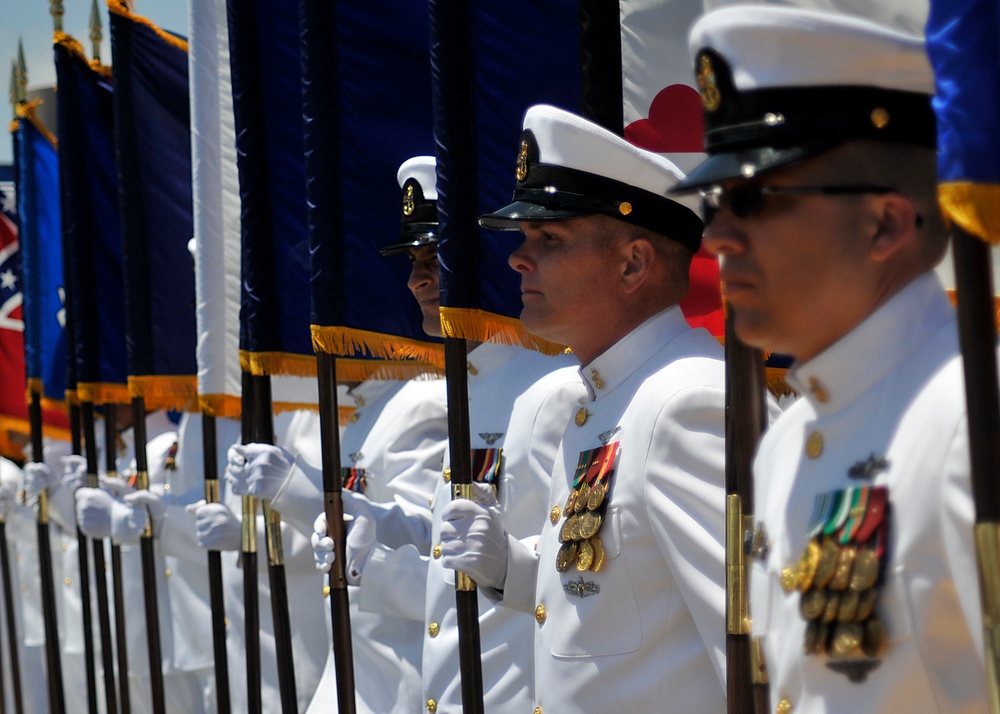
(748, 200)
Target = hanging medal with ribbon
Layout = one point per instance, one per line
(838, 577)
(585, 510)
(353, 479)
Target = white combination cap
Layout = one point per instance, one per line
(418, 222)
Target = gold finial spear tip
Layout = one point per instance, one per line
(21, 74)
(12, 90)
(56, 10)
(95, 32)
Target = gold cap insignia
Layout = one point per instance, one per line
(711, 98)
(522, 162)
(880, 118)
(625, 208)
(408, 203)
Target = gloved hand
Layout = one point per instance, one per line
(96, 510)
(360, 540)
(217, 527)
(473, 538)
(258, 470)
(38, 477)
(145, 504)
(74, 471)
(117, 486)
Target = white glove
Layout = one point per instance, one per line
(74, 471)
(96, 510)
(258, 470)
(117, 486)
(360, 540)
(38, 477)
(217, 527)
(473, 538)
(144, 504)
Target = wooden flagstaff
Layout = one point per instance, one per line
(215, 585)
(248, 558)
(147, 552)
(117, 579)
(452, 68)
(83, 560)
(52, 657)
(263, 433)
(333, 506)
(100, 566)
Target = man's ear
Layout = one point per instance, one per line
(638, 260)
(895, 225)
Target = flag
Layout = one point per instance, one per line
(153, 150)
(963, 44)
(42, 290)
(216, 209)
(92, 237)
(486, 73)
(367, 108)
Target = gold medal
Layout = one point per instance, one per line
(848, 610)
(845, 564)
(829, 551)
(832, 606)
(874, 638)
(571, 502)
(566, 532)
(846, 639)
(808, 564)
(598, 560)
(585, 556)
(590, 524)
(574, 530)
(813, 604)
(596, 497)
(866, 604)
(581, 499)
(865, 569)
(789, 578)
(565, 557)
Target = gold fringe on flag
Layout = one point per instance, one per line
(482, 326)
(76, 49)
(103, 393)
(15, 433)
(27, 111)
(220, 405)
(278, 363)
(35, 384)
(358, 370)
(975, 207)
(776, 384)
(178, 392)
(350, 341)
(72, 398)
(119, 7)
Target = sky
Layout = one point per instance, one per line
(30, 20)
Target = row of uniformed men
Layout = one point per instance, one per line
(597, 535)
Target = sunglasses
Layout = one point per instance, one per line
(748, 200)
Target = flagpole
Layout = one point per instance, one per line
(263, 432)
(248, 557)
(148, 554)
(100, 566)
(117, 579)
(977, 331)
(215, 584)
(83, 558)
(333, 506)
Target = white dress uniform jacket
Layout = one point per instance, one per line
(647, 630)
(884, 406)
(397, 435)
(519, 401)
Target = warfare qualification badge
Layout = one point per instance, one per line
(522, 162)
(711, 98)
(408, 203)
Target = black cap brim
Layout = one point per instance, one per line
(508, 217)
(747, 164)
(410, 241)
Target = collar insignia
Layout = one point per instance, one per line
(581, 589)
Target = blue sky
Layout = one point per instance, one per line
(30, 20)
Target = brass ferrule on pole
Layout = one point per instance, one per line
(249, 544)
(737, 606)
(463, 582)
(272, 531)
(212, 490)
(142, 484)
(988, 565)
(43, 506)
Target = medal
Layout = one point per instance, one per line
(827, 563)
(585, 556)
(584, 511)
(565, 557)
(598, 560)
(596, 497)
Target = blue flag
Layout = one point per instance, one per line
(153, 142)
(367, 108)
(963, 44)
(92, 238)
(41, 255)
(486, 73)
